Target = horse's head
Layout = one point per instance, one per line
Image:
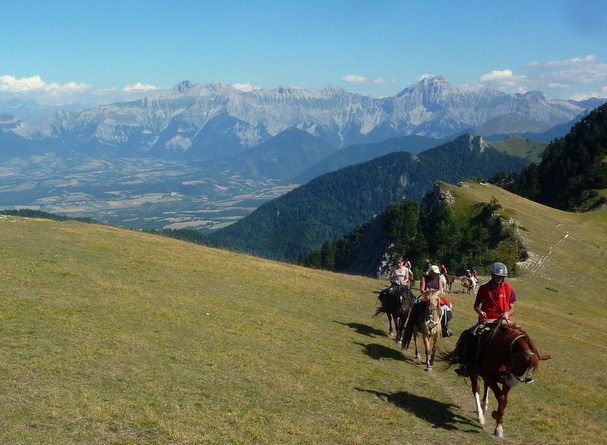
(523, 361)
(434, 311)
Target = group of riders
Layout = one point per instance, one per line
(494, 302)
(432, 280)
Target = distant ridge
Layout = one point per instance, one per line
(336, 203)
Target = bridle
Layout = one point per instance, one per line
(430, 323)
(512, 379)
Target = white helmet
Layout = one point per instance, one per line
(499, 269)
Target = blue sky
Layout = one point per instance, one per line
(67, 50)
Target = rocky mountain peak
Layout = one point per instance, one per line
(183, 87)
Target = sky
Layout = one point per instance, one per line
(63, 51)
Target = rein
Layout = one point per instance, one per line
(431, 324)
(526, 377)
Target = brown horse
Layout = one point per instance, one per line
(468, 284)
(448, 281)
(509, 358)
(425, 317)
(396, 303)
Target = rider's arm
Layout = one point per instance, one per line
(422, 284)
(477, 306)
(510, 311)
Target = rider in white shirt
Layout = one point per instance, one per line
(400, 274)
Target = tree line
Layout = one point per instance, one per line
(420, 232)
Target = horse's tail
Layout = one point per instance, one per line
(382, 298)
(453, 357)
(408, 335)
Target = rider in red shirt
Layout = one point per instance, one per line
(495, 299)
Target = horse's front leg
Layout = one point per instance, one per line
(427, 347)
(502, 401)
(434, 343)
(480, 414)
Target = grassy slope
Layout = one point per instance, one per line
(121, 337)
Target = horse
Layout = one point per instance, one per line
(448, 281)
(509, 358)
(396, 302)
(468, 284)
(426, 318)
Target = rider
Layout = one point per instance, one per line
(399, 274)
(471, 275)
(495, 300)
(432, 282)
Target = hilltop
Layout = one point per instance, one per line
(115, 336)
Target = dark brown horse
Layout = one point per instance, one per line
(509, 358)
(396, 303)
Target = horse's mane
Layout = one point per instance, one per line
(513, 330)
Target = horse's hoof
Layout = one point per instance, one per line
(429, 369)
(499, 432)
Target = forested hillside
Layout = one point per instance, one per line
(336, 203)
(469, 236)
(572, 169)
(570, 176)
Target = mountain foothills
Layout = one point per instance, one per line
(338, 202)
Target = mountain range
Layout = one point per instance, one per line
(203, 122)
(204, 156)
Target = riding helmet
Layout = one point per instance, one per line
(499, 269)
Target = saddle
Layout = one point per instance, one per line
(483, 333)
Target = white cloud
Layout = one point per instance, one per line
(576, 61)
(569, 74)
(505, 79)
(355, 78)
(52, 93)
(137, 87)
(496, 75)
(12, 84)
(583, 96)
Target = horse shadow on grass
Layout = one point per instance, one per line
(439, 414)
(379, 352)
(363, 329)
